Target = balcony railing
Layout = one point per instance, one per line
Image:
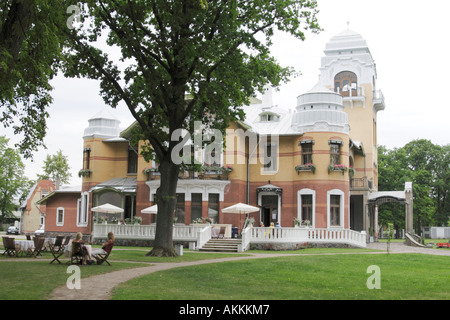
(186, 175)
(360, 184)
(378, 100)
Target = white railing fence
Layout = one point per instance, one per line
(146, 232)
(200, 234)
(246, 239)
(309, 235)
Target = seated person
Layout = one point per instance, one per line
(106, 247)
(87, 259)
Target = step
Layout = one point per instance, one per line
(221, 245)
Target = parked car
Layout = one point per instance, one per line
(40, 231)
(12, 230)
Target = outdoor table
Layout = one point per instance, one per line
(68, 249)
(24, 246)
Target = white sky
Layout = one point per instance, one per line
(407, 38)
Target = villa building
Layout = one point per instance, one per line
(32, 213)
(315, 165)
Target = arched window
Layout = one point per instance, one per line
(346, 84)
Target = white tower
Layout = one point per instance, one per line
(348, 68)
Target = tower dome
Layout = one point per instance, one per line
(320, 109)
(347, 64)
(346, 42)
(103, 125)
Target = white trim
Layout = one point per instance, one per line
(340, 193)
(306, 191)
(188, 186)
(83, 215)
(60, 223)
(270, 193)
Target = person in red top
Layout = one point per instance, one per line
(106, 247)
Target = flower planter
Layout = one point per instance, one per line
(309, 167)
(337, 168)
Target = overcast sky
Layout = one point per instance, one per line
(408, 40)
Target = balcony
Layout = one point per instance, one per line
(203, 173)
(360, 184)
(378, 100)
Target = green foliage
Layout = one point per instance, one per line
(182, 62)
(185, 61)
(12, 179)
(56, 167)
(428, 166)
(30, 51)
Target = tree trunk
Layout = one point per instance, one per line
(166, 201)
(18, 21)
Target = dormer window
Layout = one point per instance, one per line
(269, 117)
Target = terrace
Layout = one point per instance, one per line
(199, 234)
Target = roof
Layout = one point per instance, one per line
(104, 114)
(345, 41)
(118, 184)
(61, 190)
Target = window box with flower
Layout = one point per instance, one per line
(216, 172)
(305, 167)
(337, 167)
(151, 172)
(84, 173)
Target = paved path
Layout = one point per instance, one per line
(100, 287)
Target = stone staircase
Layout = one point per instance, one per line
(221, 245)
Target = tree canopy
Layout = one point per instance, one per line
(13, 184)
(428, 166)
(30, 53)
(180, 62)
(56, 168)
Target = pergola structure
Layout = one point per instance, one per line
(406, 197)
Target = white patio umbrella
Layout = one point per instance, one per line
(107, 208)
(240, 208)
(151, 210)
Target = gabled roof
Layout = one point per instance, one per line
(62, 190)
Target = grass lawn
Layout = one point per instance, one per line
(403, 276)
(35, 280)
(24, 279)
(304, 274)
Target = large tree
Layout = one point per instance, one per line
(11, 178)
(428, 167)
(30, 52)
(182, 61)
(56, 168)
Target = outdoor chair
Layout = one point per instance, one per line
(77, 254)
(66, 241)
(57, 249)
(103, 257)
(10, 247)
(38, 246)
(28, 237)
